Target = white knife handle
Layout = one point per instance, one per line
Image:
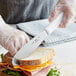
(54, 24)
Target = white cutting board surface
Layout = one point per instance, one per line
(59, 36)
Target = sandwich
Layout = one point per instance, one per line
(38, 63)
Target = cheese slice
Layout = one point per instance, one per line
(31, 67)
(35, 67)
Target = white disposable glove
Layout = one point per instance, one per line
(68, 7)
(11, 38)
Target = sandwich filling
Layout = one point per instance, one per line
(31, 67)
(30, 70)
(34, 67)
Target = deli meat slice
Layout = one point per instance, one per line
(43, 72)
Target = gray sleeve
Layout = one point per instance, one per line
(15, 11)
(2, 8)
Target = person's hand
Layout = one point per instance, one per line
(12, 39)
(16, 41)
(68, 7)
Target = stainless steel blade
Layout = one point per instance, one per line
(30, 47)
(27, 49)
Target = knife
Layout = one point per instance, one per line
(30, 47)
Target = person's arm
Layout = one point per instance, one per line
(11, 38)
(68, 7)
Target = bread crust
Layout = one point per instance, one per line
(8, 59)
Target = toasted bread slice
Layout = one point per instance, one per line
(40, 56)
(7, 58)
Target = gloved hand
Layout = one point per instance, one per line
(11, 38)
(68, 7)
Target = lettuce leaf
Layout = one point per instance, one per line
(11, 72)
(54, 72)
(1, 56)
